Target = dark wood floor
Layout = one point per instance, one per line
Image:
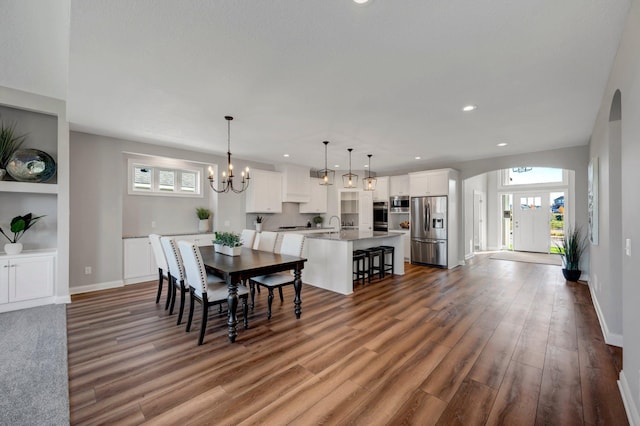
(493, 342)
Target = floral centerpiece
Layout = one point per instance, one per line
(228, 243)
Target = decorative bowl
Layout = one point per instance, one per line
(31, 165)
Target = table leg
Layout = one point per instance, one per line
(297, 285)
(232, 301)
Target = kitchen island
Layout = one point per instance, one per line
(330, 256)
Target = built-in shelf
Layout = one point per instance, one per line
(34, 188)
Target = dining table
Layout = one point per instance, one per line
(235, 270)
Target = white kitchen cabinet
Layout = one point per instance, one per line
(139, 261)
(296, 184)
(318, 202)
(26, 277)
(399, 185)
(381, 192)
(365, 214)
(264, 194)
(435, 182)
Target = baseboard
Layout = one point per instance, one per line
(627, 400)
(26, 304)
(96, 287)
(609, 337)
(62, 299)
(469, 256)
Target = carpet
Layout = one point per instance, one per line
(522, 256)
(34, 378)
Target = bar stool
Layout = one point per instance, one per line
(374, 253)
(387, 267)
(359, 270)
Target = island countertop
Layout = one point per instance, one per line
(353, 235)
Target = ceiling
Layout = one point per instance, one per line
(387, 78)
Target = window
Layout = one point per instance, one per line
(532, 176)
(146, 179)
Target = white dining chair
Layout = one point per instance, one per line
(247, 237)
(265, 241)
(176, 274)
(292, 244)
(208, 290)
(163, 268)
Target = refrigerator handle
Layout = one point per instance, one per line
(428, 217)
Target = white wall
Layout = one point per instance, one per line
(470, 186)
(619, 299)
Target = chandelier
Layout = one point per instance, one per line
(227, 176)
(369, 184)
(349, 180)
(325, 175)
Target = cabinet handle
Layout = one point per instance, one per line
(6, 266)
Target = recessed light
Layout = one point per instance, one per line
(336, 165)
(418, 158)
(502, 144)
(361, 1)
(366, 166)
(286, 155)
(469, 108)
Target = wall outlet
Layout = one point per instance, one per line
(627, 246)
(87, 270)
(153, 223)
(227, 223)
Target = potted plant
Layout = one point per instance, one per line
(228, 243)
(259, 220)
(318, 221)
(18, 227)
(9, 143)
(572, 246)
(203, 214)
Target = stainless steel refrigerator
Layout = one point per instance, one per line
(429, 231)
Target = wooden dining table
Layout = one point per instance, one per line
(251, 263)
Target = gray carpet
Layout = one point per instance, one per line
(523, 256)
(34, 384)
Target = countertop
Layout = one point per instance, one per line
(354, 235)
(177, 234)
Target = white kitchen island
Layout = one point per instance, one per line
(330, 257)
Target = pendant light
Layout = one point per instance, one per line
(227, 176)
(325, 175)
(349, 180)
(369, 184)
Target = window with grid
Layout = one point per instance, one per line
(154, 180)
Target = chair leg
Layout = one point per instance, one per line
(191, 305)
(183, 295)
(173, 297)
(269, 302)
(252, 288)
(280, 291)
(245, 312)
(160, 280)
(169, 287)
(203, 324)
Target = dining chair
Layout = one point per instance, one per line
(292, 244)
(163, 268)
(176, 275)
(247, 237)
(202, 288)
(265, 241)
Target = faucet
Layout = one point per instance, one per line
(331, 218)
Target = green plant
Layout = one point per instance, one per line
(259, 219)
(9, 143)
(19, 226)
(318, 219)
(203, 213)
(571, 247)
(228, 239)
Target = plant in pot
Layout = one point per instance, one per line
(228, 243)
(259, 221)
(571, 247)
(203, 214)
(19, 225)
(318, 221)
(9, 143)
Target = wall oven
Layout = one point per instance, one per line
(399, 204)
(380, 216)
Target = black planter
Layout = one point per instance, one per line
(571, 274)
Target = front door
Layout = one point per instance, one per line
(531, 222)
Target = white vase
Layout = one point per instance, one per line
(259, 227)
(13, 248)
(203, 225)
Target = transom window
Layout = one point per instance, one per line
(146, 179)
(532, 176)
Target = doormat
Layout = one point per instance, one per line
(523, 256)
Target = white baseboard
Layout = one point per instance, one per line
(627, 399)
(96, 287)
(609, 337)
(469, 256)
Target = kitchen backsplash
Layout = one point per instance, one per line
(290, 216)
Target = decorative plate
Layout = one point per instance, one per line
(31, 165)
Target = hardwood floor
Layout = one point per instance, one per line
(493, 342)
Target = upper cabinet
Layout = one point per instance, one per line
(381, 192)
(295, 184)
(318, 202)
(434, 182)
(399, 185)
(264, 194)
